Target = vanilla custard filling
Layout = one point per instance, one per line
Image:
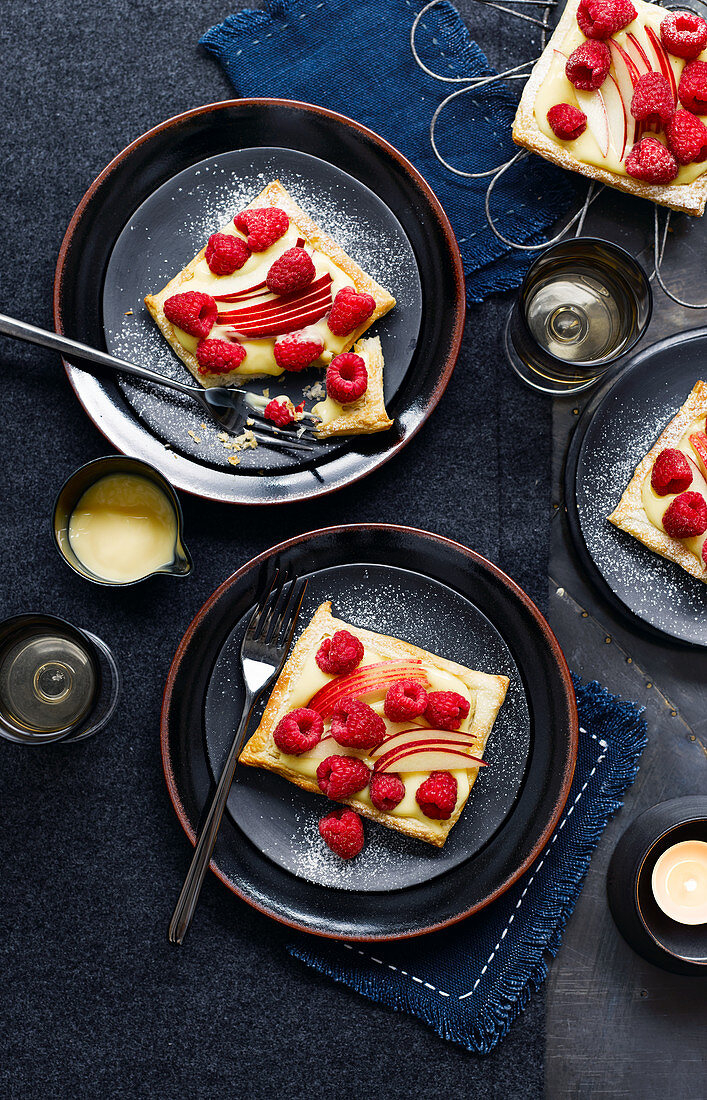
(609, 136)
(312, 679)
(656, 506)
(259, 353)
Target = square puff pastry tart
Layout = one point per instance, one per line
(367, 414)
(631, 512)
(548, 85)
(301, 678)
(328, 256)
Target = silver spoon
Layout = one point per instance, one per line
(228, 406)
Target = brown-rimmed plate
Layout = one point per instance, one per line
(432, 592)
(137, 196)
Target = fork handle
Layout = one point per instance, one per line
(188, 898)
(20, 330)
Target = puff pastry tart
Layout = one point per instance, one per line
(620, 95)
(269, 292)
(665, 503)
(388, 729)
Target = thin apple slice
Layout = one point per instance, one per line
(257, 289)
(626, 75)
(698, 441)
(428, 758)
(638, 55)
(616, 116)
(663, 60)
(280, 326)
(594, 107)
(367, 680)
(273, 305)
(411, 736)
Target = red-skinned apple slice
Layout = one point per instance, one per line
(638, 55)
(281, 325)
(396, 741)
(663, 60)
(626, 75)
(366, 680)
(256, 290)
(616, 115)
(594, 107)
(274, 305)
(698, 441)
(428, 757)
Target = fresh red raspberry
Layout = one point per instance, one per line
(566, 121)
(671, 473)
(342, 776)
(651, 162)
(355, 725)
(437, 796)
(192, 312)
(692, 89)
(404, 700)
(349, 310)
(262, 226)
(652, 100)
(280, 412)
(219, 356)
(226, 253)
(292, 271)
(686, 135)
(686, 516)
(298, 350)
(587, 66)
(684, 34)
(342, 831)
(446, 710)
(602, 18)
(346, 377)
(386, 792)
(340, 654)
(299, 731)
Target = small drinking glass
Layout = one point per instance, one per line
(582, 305)
(57, 683)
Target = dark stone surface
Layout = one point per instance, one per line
(95, 1002)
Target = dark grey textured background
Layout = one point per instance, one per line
(95, 1002)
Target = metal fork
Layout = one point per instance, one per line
(263, 652)
(228, 406)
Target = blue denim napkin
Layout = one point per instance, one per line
(469, 983)
(356, 59)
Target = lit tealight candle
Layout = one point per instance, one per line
(680, 882)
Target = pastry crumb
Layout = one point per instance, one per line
(128, 313)
(194, 436)
(234, 460)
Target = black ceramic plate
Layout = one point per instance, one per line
(433, 593)
(151, 210)
(615, 431)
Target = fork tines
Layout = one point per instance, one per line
(273, 621)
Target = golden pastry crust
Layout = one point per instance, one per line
(272, 195)
(630, 515)
(687, 198)
(368, 414)
(261, 751)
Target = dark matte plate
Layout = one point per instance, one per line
(614, 432)
(128, 416)
(172, 225)
(435, 593)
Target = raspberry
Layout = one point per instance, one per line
(671, 473)
(588, 65)
(192, 312)
(652, 100)
(346, 378)
(339, 655)
(404, 700)
(686, 516)
(298, 350)
(651, 162)
(684, 34)
(219, 356)
(281, 412)
(602, 18)
(686, 135)
(437, 796)
(263, 226)
(342, 776)
(292, 271)
(299, 731)
(386, 792)
(342, 831)
(355, 725)
(226, 253)
(446, 710)
(566, 122)
(692, 89)
(349, 310)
